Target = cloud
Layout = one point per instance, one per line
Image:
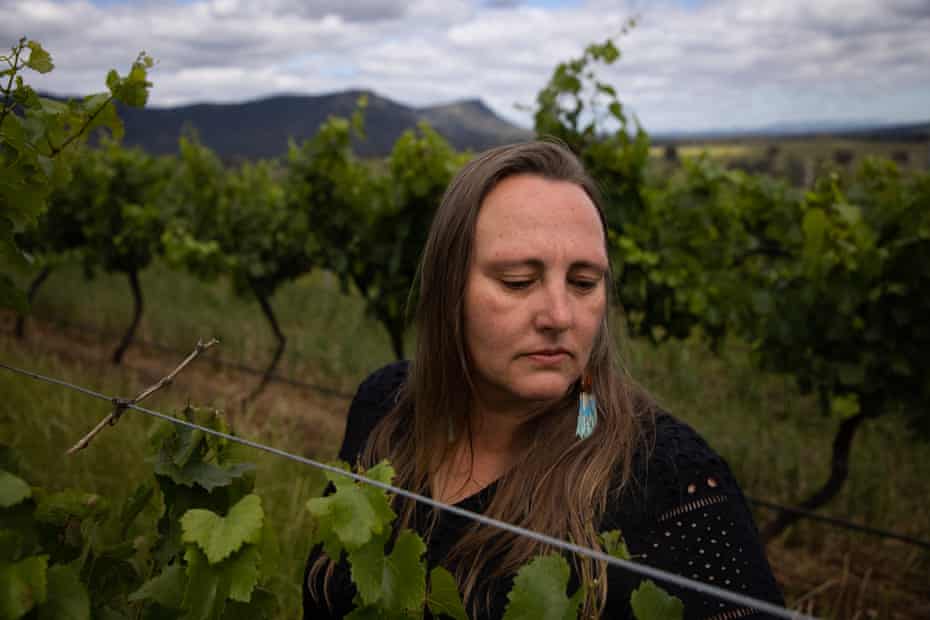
(685, 65)
(355, 10)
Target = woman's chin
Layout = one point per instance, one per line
(544, 389)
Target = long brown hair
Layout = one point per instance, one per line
(560, 485)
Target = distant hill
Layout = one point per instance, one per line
(261, 128)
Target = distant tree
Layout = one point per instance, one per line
(844, 311)
(114, 196)
(238, 222)
(392, 234)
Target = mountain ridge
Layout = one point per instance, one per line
(262, 128)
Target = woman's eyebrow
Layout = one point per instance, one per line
(537, 264)
(505, 264)
(600, 268)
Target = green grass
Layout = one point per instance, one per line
(774, 438)
(330, 339)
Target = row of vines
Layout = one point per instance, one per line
(827, 284)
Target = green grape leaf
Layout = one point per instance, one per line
(444, 597)
(134, 505)
(262, 606)
(13, 132)
(539, 591)
(367, 569)
(59, 508)
(382, 472)
(404, 585)
(218, 536)
(39, 60)
(243, 572)
(23, 585)
(205, 475)
(205, 596)
(368, 612)
(67, 596)
(166, 589)
(650, 602)
(575, 602)
(350, 517)
(815, 231)
(13, 489)
(614, 545)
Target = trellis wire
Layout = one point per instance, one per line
(763, 503)
(641, 569)
(810, 514)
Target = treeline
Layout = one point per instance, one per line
(827, 284)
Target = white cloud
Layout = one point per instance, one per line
(724, 63)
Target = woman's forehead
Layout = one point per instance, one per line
(525, 212)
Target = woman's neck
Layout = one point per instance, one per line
(480, 456)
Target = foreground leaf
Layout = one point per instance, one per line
(650, 602)
(218, 536)
(67, 596)
(59, 508)
(614, 545)
(23, 586)
(166, 589)
(243, 573)
(444, 597)
(349, 517)
(539, 591)
(205, 475)
(13, 489)
(404, 585)
(367, 569)
(205, 595)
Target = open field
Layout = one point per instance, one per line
(797, 159)
(772, 436)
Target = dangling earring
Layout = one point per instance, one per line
(587, 408)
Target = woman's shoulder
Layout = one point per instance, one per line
(381, 386)
(685, 513)
(678, 448)
(675, 469)
(375, 397)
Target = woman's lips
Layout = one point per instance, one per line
(548, 357)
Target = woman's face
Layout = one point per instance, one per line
(536, 292)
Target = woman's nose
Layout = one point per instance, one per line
(554, 310)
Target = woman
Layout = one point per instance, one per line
(512, 337)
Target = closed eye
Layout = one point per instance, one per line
(585, 285)
(517, 285)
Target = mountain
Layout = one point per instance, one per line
(261, 128)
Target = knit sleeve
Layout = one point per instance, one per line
(696, 523)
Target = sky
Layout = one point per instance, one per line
(686, 65)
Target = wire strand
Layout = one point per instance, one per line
(809, 514)
(635, 567)
(804, 514)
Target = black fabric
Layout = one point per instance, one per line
(685, 514)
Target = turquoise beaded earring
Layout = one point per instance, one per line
(587, 409)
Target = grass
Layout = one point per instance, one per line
(773, 437)
(330, 340)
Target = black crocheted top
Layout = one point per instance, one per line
(685, 514)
